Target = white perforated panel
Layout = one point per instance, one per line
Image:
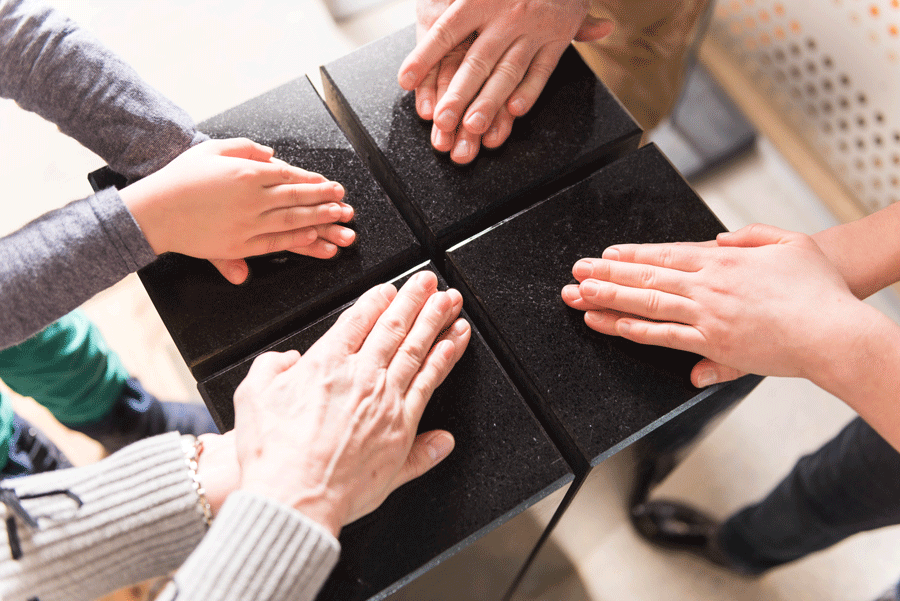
(833, 66)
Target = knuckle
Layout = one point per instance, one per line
(442, 31)
(653, 302)
(646, 277)
(511, 72)
(478, 66)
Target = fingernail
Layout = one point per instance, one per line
(422, 280)
(462, 149)
(409, 79)
(611, 254)
(447, 120)
(347, 214)
(335, 211)
(518, 106)
(492, 134)
(582, 269)
(570, 292)
(348, 236)
(590, 288)
(477, 122)
(387, 291)
(439, 447)
(460, 327)
(442, 139)
(427, 107)
(706, 378)
(455, 296)
(310, 235)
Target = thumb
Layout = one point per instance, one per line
(708, 372)
(235, 271)
(429, 449)
(242, 148)
(757, 234)
(593, 29)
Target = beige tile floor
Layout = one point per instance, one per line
(210, 55)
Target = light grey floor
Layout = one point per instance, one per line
(210, 55)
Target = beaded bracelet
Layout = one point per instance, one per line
(193, 448)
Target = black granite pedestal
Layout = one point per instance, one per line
(595, 394)
(502, 464)
(215, 323)
(576, 126)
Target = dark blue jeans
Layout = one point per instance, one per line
(850, 485)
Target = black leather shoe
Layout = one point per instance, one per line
(681, 527)
(138, 414)
(31, 452)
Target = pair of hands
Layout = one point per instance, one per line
(333, 432)
(760, 300)
(479, 64)
(225, 200)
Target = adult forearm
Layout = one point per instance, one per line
(58, 261)
(52, 67)
(863, 370)
(866, 251)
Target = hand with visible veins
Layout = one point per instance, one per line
(225, 200)
(333, 432)
(479, 64)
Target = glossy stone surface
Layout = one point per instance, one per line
(503, 462)
(576, 126)
(595, 393)
(214, 323)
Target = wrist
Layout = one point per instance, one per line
(140, 200)
(316, 505)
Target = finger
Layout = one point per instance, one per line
(350, 330)
(708, 372)
(303, 195)
(426, 95)
(632, 275)
(235, 271)
(453, 26)
(336, 234)
(499, 130)
(502, 82)
(320, 249)
(309, 177)
(671, 335)
(241, 148)
(650, 304)
(441, 140)
(521, 101)
(264, 244)
(292, 218)
(440, 360)
(593, 29)
(429, 449)
(449, 66)
(603, 320)
(394, 325)
(571, 295)
(432, 319)
(262, 371)
(680, 256)
(466, 147)
(757, 234)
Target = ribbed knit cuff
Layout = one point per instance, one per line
(257, 549)
(138, 520)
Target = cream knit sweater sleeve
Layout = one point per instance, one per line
(139, 519)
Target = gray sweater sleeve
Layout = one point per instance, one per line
(52, 67)
(140, 519)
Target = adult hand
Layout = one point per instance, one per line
(225, 200)
(762, 301)
(498, 52)
(218, 468)
(333, 432)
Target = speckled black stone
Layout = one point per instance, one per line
(576, 123)
(502, 463)
(596, 393)
(215, 323)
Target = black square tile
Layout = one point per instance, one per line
(503, 462)
(575, 126)
(595, 393)
(215, 323)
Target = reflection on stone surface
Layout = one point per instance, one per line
(215, 323)
(575, 123)
(502, 463)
